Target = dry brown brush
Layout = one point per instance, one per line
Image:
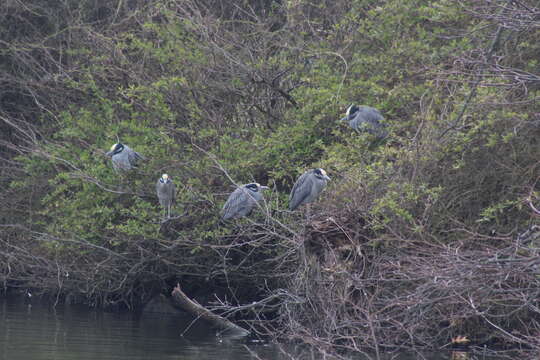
(352, 294)
(426, 239)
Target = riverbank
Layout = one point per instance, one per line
(423, 239)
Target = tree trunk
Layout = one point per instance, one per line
(180, 299)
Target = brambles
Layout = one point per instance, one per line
(413, 243)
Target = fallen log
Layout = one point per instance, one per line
(183, 301)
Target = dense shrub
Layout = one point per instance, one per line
(401, 247)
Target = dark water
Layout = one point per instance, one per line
(38, 331)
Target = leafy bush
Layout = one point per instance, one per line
(218, 96)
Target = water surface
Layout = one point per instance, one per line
(38, 331)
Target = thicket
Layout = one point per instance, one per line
(419, 239)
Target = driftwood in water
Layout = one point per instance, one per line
(180, 299)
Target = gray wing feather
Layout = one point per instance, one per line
(238, 204)
(301, 190)
(369, 119)
(139, 156)
(121, 161)
(134, 157)
(371, 115)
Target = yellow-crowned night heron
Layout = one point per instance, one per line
(166, 192)
(366, 119)
(308, 187)
(242, 201)
(123, 157)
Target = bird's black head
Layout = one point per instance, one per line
(253, 187)
(117, 148)
(352, 109)
(321, 174)
(164, 179)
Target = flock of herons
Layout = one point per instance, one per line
(243, 200)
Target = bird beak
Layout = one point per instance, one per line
(264, 187)
(326, 177)
(109, 153)
(343, 118)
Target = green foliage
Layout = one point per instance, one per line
(195, 94)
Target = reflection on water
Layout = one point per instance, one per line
(37, 331)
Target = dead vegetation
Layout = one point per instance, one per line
(428, 240)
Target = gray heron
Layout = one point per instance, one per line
(366, 119)
(123, 157)
(166, 192)
(242, 201)
(308, 187)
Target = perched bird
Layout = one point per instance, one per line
(123, 157)
(366, 118)
(242, 201)
(166, 192)
(308, 187)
